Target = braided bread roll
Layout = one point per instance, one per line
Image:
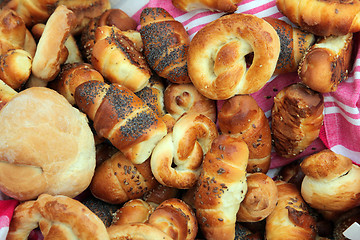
(290, 219)
(136, 231)
(228, 6)
(242, 118)
(166, 44)
(133, 211)
(123, 118)
(118, 180)
(323, 18)
(184, 147)
(221, 187)
(59, 217)
(216, 57)
(294, 43)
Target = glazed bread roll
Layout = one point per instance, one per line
(166, 44)
(331, 182)
(136, 231)
(242, 118)
(46, 146)
(290, 219)
(297, 116)
(133, 211)
(121, 117)
(323, 18)
(327, 63)
(228, 6)
(294, 43)
(221, 187)
(118, 180)
(185, 98)
(260, 199)
(216, 57)
(177, 158)
(73, 221)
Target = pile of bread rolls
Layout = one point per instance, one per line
(110, 130)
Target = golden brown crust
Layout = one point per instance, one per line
(133, 211)
(216, 57)
(6, 93)
(166, 44)
(159, 194)
(228, 6)
(136, 231)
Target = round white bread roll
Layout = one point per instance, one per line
(46, 146)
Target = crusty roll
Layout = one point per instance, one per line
(118, 180)
(133, 211)
(136, 231)
(46, 146)
(228, 6)
(116, 58)
(6, 93)
(185, 98)
(294, 43)
(327, 63)
(177, 158)
(175, 218)
(290, 219)
(221, 187)
(71, 76)
(166, 44)
(297, 116)
(242, 118)
(59, 217)
(260, 199)
(216, 57)
(323, 18)
(123, 118)
(331, 182)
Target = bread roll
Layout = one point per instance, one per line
(228, 6)
(159, 194)
(216, 57)
(6, 93)
(242, 118)
(327, 63)
(166, 44)
(46, 146)
(133, 211)
(221, 187)
(297, 116)
(136, 231)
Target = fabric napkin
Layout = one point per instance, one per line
(6, 212)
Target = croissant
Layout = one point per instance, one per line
(166, 44)
(228, 6)
(121, 117)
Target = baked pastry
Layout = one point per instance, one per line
(121, 117)
(216, 56)
(228, 6)
(322, 18)
(136, 231)
(294, 43)
(59, 217)
(133, 211)
(221, 187)
(177, 158)
(6, 93)
(159, 194)
(241, 117)
(166, 44)
(291, 218)
(297, 116)
(34, 123)
(327, 63)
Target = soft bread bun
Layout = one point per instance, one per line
(228, 6)
(136, 231)
(46, 146)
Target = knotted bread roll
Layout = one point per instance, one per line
(228, 6)
(216, 57)
(133, 211)
(136, 231)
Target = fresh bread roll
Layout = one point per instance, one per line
(331, 182)
(294, 43)
(322, 18)
(118, 180)
(242, 118)
(46, 146)
(185, 98)
(121, 117)
(292, 173)
(136, 231)
(221, 187)
(116, 58)
(228, 6)
(159, 194)
(291, 218)
(216, 57)
(177, 158)
(260, 199)
(6, 93)
(59, 217)
(327, 63)
(166, 44)
(297, 116)
(133, 211)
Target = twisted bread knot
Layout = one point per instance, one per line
(185, 146)
(216, 57)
